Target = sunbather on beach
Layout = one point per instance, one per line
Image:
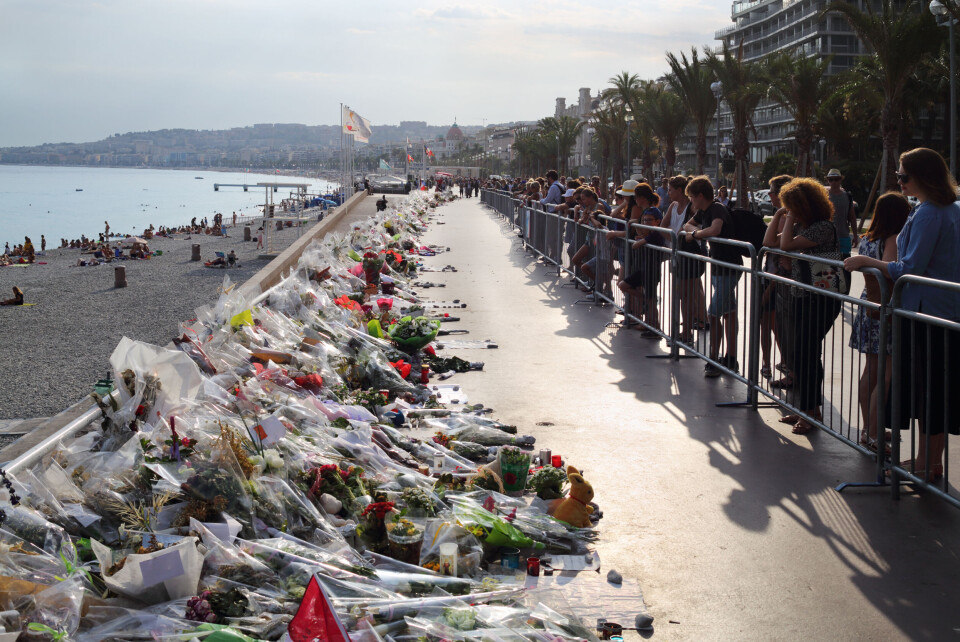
(17, 297)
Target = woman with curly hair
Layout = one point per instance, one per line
(808, 229)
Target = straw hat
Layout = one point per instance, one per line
(628, 188)
(834, 172)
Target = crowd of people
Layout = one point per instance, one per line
(812, 220)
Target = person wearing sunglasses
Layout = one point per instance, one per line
(928, 245)
(844, 212)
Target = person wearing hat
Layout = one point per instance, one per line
(844, 212)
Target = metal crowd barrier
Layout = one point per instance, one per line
(926, 373)
(793, 341)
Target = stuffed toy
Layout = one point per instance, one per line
(575, 508)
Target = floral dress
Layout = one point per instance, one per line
(865, 335)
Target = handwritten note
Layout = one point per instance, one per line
(161, 567)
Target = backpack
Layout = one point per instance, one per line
(748, 227)
(823, 275)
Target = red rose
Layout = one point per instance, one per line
(510, 478)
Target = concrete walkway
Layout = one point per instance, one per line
(729, 522)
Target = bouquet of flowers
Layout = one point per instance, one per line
(372, 263)
(411, 334)
(548, 482)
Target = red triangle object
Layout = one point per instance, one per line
(315, 620)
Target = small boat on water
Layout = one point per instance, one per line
(199, 178)
(79, 189)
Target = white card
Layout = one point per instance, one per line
(224, 532)
(162, 567)
(270, 430)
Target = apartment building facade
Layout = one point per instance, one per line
(764, 27)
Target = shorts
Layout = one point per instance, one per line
(592, 263)
(845, 245)
(646, 279)
(723, 283)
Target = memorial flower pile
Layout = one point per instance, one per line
(284, 464)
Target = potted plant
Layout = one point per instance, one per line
(405, 539)
(514, 466)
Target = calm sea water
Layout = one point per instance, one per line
(44, 200)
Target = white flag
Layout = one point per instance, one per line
(354, 123)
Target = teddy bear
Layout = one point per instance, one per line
(575, 508)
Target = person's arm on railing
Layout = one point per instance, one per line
(791, 243)
(771, 237)
(916, 256)
(710, 231)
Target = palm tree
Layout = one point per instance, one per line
(564, 130)
(666, 116)
(691, 79)
(799, 85)
(625, 88)
(901, 37)
(743, 88)
(624, 95)
(610, 127)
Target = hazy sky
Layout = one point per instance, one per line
(77, 71)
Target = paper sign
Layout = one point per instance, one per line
(270, 430)
(224, 532)
(588, 562)
(162, 567)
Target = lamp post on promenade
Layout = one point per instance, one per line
(939, 10)
(717, 89)
(628, 117)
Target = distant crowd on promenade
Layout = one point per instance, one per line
(810, 219)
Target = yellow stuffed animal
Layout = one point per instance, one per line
(574, 509)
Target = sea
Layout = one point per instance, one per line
(65, 202)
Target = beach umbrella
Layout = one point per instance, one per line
(130, 240)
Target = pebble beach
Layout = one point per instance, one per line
(54, 351)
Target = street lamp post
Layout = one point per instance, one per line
(559, 165)
(717, 89)
(939, 10)
(629, 118)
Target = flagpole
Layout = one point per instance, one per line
(343, 161)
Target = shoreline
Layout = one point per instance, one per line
(57, 349)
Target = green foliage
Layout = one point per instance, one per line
(777, 164)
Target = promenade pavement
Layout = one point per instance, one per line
(730, 523)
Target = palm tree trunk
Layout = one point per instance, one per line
(701, 147)
(670, 156)
(873, 190)
(890, 133)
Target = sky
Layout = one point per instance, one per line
(79, 71)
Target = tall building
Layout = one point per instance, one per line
(580, 157)
(764, 27)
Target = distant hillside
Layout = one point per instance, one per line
(257, 144)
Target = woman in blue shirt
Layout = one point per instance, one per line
(929, 246)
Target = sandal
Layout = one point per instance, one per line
(789, 419)
(765, 372)
(783, 382)
(935, 472)
(802, 427)
(870, 443)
